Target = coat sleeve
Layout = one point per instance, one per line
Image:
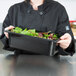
(62, 28)
(7, 22)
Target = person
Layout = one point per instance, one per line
(42, 15)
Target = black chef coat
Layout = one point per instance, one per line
(50, 16)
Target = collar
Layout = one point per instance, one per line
(48, 0)
(41, 8)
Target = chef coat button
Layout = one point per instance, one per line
(41, 13)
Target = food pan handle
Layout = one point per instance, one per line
(53, 50)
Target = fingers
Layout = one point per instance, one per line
(6, 34)
(65, 36)
(9, 28)
(63, 43)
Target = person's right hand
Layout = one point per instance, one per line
(8, 28)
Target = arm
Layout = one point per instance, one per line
(7, 22)
(63, 28)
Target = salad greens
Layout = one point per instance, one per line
(32, 32)
(17, 30)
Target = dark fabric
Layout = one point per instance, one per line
(51, 16)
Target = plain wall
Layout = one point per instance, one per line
(4, 6)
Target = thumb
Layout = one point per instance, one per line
(59, 41)
(63, 37)
(11, 27)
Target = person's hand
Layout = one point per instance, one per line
(8, 28)
(65, 41)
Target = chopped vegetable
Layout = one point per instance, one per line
(40, 35)
(17, 30)
(32, 32)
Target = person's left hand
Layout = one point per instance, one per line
(65, 41)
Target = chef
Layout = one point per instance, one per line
(42, 15)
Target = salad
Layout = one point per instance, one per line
(32, 32)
